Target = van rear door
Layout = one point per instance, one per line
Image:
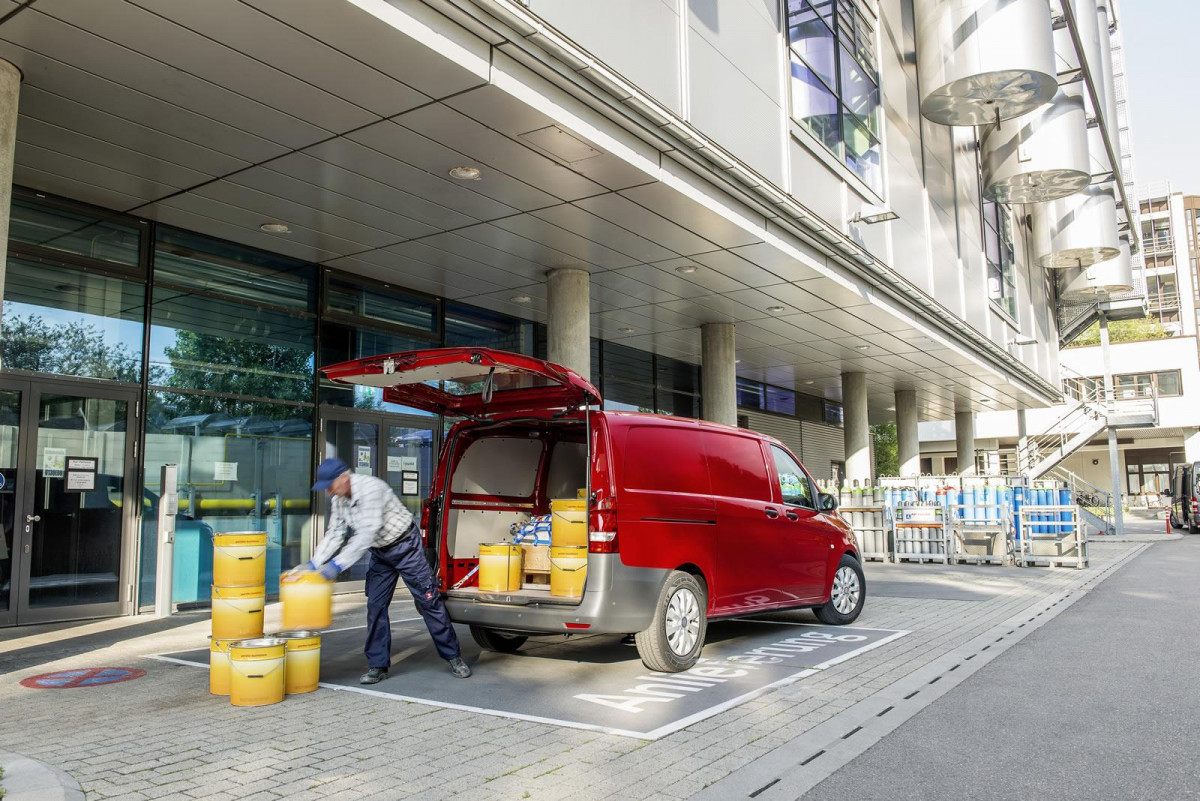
(468, 382)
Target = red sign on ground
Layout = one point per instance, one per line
(83, 677)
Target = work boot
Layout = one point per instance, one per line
(459, 668)
(373, 676)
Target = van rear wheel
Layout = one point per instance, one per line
(492, 640)
(676, 636)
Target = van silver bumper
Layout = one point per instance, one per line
(617, 599)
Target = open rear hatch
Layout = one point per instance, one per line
(468, 382)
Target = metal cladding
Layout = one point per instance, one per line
(1040, 156)
(983, 60)
(1076, 231)
(1111, 277)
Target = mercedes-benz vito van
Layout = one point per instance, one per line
(687, 521)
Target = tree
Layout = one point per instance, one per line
(1141, 330)
(234, 366)
(70, 348)
(887, 460)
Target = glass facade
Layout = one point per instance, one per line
(231, 393)
(1001, 257)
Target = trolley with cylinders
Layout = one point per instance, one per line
(866, 510)
(1050, 534)
(921, 534)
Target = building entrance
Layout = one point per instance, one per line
(66, 500)
(400, 449)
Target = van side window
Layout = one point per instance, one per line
(794, 485)
(663, 459)
(737, 466)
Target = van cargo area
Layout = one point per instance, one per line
(503, 476)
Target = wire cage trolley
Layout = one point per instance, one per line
(1051, 535)
(981, 533)
(921, 534)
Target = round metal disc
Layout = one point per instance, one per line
(1038, 187)
(979, 99)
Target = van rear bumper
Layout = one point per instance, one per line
(617, 599)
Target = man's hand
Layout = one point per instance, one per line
(329, 571)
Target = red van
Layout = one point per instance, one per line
(688, 521)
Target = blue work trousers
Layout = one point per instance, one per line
(404, 558)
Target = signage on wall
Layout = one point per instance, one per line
(54, 462)
(81, 473)
(363, 465)
(410, 482)
(395, 464)
(225, 471)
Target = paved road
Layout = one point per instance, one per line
(1102, 702)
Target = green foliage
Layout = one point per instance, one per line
(70, 348)
(1123, 331)
(237, 367)
(887, 459)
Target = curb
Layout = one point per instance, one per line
(28, 779)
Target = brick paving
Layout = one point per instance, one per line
(163, 736)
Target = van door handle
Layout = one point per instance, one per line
(771, 512)
(792, 515)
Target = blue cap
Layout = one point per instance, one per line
(327, 471)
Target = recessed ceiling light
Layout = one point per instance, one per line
(465, 173)
(520, 298)
(686, 269)
(809, 382)
(626, 330)
(274, 228)
(862, 347)
(776, 309)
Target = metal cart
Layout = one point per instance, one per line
(1051, 536)
(921, 534)
(981, 533)
(872, 527)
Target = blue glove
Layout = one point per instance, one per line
(329, 571)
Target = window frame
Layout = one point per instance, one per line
(1006, 270)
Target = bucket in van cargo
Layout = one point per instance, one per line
(240, 559)
(237, 612)
(500, 567)
(218, 666)
(568, 522)
(302, 660)
(307, 601)
(568, 570)
(256, 671)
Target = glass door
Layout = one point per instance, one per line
(65, 504)
(401, 450)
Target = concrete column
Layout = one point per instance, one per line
(569, 323)
(856, 428)
(10, 91)
(908, 445)
(964, 437)
(1114, 453)
(718, 373)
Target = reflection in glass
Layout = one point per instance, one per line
(70, 322)
(812, 40)
(380, 304)
(863, 153)
(859, 92)
(340, 343)
(10, 428)
(814, 105)
(468, 325)
(243, 466)
(73, 232)
(75, 555)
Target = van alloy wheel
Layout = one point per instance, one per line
(846, 590)
(683, 621)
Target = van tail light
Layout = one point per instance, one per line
(1195, 506)
(602, 525)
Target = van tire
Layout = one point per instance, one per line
(492, 640)
(682, 594)
(829, 613)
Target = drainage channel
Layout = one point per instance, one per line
(796, 767)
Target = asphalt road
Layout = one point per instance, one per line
(1102, 702)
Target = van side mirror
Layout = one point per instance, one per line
(828, 502)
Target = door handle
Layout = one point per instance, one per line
(793, 515)
(771, 512)
(33, 518)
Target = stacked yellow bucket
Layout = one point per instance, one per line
(239, 594)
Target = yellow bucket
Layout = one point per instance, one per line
(307, 601)
(218, 666)
(237, 612)
(500, 567)
(568, 522)
(302, 660)
(240, 558)
(568, 570)
(256, 670)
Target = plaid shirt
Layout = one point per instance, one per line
(372, 512)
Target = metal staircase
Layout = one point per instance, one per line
(1096, 504)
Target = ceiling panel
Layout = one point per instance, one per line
(663, 276)
(52, 183)
(85, 90)
(39, 158)
(477, 251)
(194, 221)
(796, 297)
(597, 229)
(691, 214)
(437, 159)
(421, 250)
(845, 321)
(658, 318)
(586, 250)
(489, 148)
(517, 245)
(373, 42)
(496, 109)
(618, 280)
(58, 40)
(837, 294)
(645, 223)
(403, 270)
(777, 261)
(265, 39)
(744, 272)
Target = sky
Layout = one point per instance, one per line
(1161, 37)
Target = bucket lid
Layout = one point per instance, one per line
(229, 593)
(295, 635)
(257, 642)
(227, 538)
